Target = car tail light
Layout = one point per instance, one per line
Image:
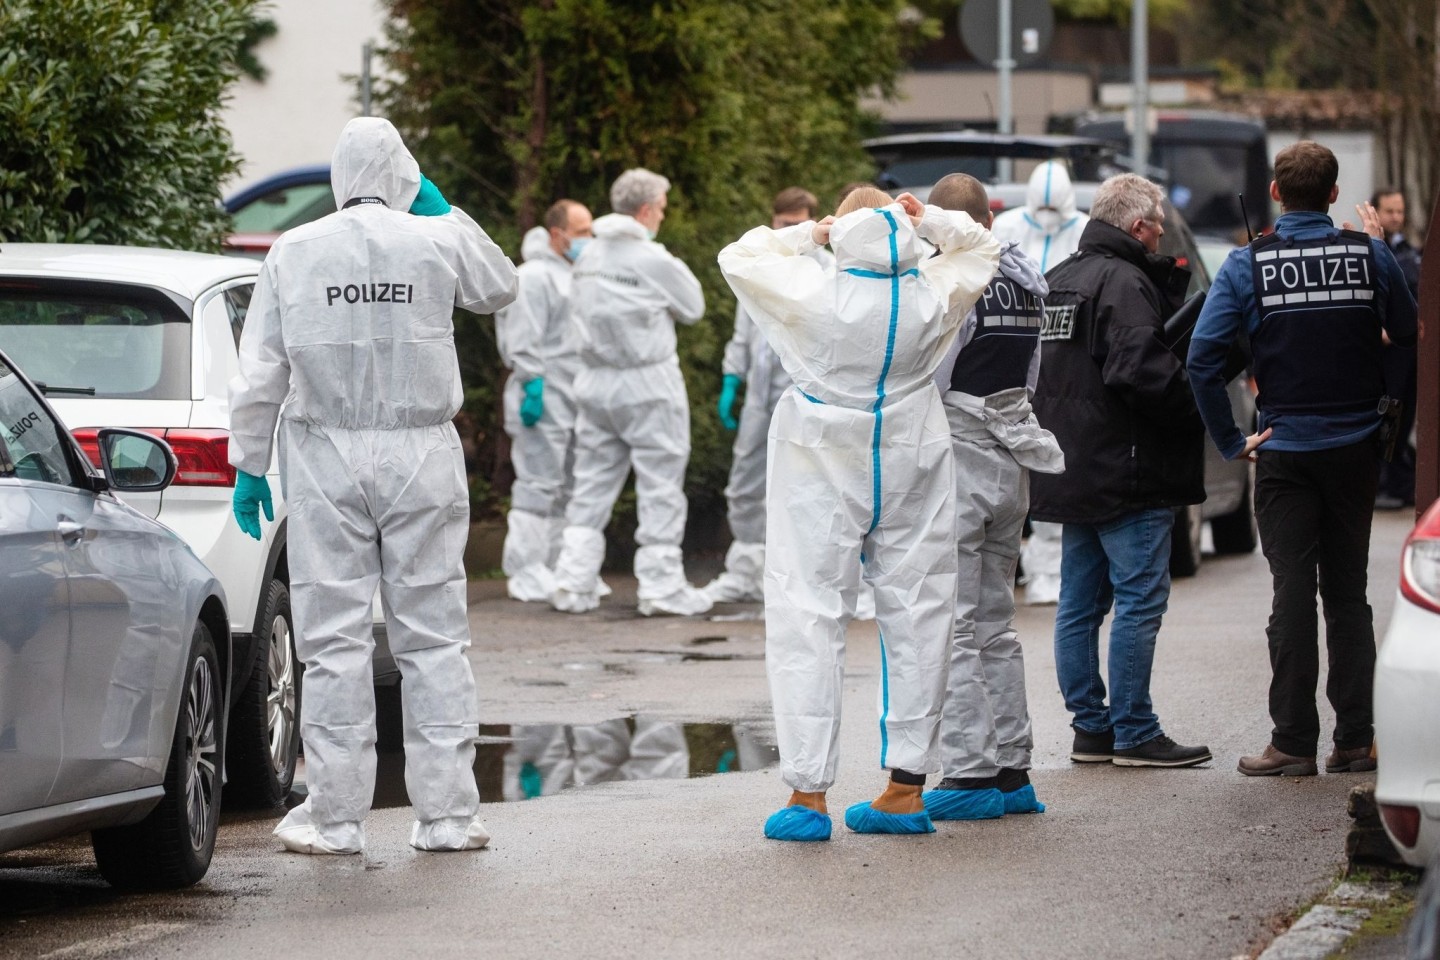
(1403, 821)
(203, 455)
(1420, 562)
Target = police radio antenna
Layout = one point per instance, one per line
(1248, 232)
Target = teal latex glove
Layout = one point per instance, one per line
(429, 202)
(251, 493)
(728, 389)
(532, 408)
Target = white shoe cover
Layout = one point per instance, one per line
(535, 582)
(449, 833)
(602, 589)
(686, 602)
(865, 603)
(299, 834)
(743, 580)
(568, 602)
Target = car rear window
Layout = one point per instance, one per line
(78, 338)
(279, 210)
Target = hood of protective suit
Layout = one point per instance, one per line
(536, 244)
(620, 225)
(1024, 271)
(371, 161)
(882, 240)
(1050, 187)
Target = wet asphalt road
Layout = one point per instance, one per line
(1126, 863)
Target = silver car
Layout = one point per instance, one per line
(114, 654)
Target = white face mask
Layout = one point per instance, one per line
(1048, 220)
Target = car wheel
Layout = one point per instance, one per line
(1185, 541)
(1236, 532)
(172, 846)
(265, 724)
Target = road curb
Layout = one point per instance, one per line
(1326, 926)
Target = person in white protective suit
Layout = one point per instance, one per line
(861, 483)
(538, 344)
(750, 362)
(628, 293)
(349, 345)
(1047, 230)
(987, 380)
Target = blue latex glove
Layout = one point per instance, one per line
(429, 202)
(251, 493)
(728, 389)
(532, 408)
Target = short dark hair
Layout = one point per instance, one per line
(960, 191)
(1305, 173)
(1385, 191)
(793, 199)
(558, 216)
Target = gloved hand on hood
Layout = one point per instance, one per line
(251, 493)
(726, 406)
(532, 408)
(429, 202)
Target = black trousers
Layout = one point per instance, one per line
(1314, 512)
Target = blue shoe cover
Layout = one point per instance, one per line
(863, 818)
(1023, 800)
(798, 823)
(965, 804)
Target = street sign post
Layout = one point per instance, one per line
(1007, 34)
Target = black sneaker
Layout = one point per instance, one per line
(1092, 747)
(1161, 752)
(1010, 779)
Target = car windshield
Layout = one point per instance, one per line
(122, 341)
(279, 210)
(1203, 182)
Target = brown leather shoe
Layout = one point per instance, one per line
(1273, 763)
(1350, 761)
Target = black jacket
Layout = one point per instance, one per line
(1110, 390)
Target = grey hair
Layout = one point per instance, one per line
(635, 188)
(1125, 198)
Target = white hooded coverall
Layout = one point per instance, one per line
(349, 344)
(1047, 230)
(861, 477)
(628, 293)
(997, 441)
(537, 339)
(748, 356)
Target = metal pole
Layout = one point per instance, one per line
(1006, 65)
(366, 53)
(1140, 85)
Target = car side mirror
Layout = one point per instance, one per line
(135, 462)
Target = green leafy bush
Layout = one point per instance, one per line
(109, 126)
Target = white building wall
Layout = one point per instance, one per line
(1357, 153)
(294, 117)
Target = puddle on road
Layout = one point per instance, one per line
(524, 761)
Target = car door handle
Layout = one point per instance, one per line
(69, 530)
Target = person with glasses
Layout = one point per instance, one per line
(1120, 404)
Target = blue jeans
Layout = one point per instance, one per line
(1126, 562)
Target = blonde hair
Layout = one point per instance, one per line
(872, 197)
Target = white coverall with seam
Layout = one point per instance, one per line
(628, 293)
(348, 343)
(1047, 230)
(748, 356)
(537, 338)
(861, 476)
(997, 441)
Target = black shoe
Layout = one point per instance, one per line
(968, 783)
(1388, 501)
(1161, 752)
(1010, 779)
(1092, 747)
